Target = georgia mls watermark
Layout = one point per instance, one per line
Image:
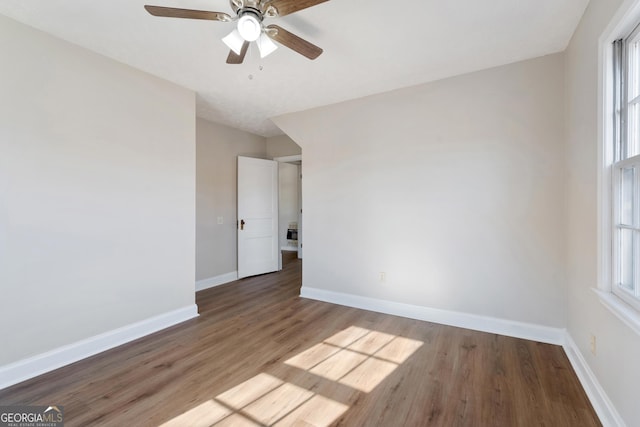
(31, 416)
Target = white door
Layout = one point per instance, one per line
(257, 216)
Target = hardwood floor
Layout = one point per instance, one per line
(260, 355)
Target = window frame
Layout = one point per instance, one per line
(626, 156)
(623, 24)
(617, 287)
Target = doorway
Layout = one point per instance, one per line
(290, 205)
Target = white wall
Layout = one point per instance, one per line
(454, 189)
(218, 147)
(97, 189)
(618, 348)
(281, 146)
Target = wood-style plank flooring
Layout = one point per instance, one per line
(260, 355)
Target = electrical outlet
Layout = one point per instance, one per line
(383, 276)
(592, 344)
(220, 220)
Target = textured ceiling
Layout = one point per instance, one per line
(370, 46)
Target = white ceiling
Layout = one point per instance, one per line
(370, 46)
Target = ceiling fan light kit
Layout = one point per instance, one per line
(265, 45)
(249, 26)
(234, 41)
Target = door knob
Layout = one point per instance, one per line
(242, 224)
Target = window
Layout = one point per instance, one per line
(619, 160)
(625, 170)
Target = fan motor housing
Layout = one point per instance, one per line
(252, 11)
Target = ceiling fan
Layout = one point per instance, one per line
(250, 15)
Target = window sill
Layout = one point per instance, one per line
(623, 311)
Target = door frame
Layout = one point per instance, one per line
(295, 159)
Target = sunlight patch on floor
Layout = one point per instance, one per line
(318, 411)
(203, 415)
(249, 391)
(263, 400)
(267, 400)
(356, 357)
(278, 403)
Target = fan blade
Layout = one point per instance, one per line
(172, 12)
(286, 7)
(234, 58)
(293, 42)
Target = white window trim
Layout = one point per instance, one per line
(624, 21)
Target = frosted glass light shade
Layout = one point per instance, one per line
(235, 41)
(265, 45)
(249, 27)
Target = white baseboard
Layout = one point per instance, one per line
(475, 322)
(607, 413)
(211, 282)
(37, 365)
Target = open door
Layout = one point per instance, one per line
(257, 216)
